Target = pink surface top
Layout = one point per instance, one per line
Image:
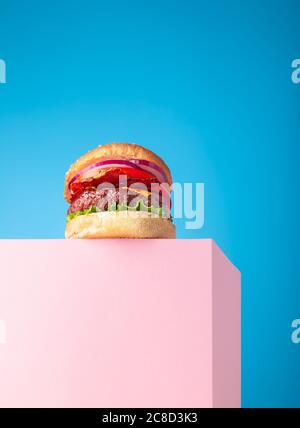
(114, 323)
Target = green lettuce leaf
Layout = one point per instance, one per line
(85, 212)
(140, 206)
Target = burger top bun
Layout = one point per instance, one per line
(114, 151)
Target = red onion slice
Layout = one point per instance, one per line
(151, 167)
(132, 163)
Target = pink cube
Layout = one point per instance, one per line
(118, 323)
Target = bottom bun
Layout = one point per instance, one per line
(122, 224)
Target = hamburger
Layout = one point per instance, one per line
(119, 190)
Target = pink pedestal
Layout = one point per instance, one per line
(118, 323)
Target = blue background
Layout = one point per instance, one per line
(205, 84)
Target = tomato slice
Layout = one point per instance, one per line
(111, 175)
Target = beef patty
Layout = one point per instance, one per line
(103, 198)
